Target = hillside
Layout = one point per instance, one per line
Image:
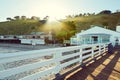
(19, 27)
(63, 29)
(84, 22)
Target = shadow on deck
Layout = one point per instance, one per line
(106, 68)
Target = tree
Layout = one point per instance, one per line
(80, 14)
(93, 13)
(9, 19)
(105, 12)
(35, 18)
(61, 35)
(17, 17)
(84, 14)
(46, 18)
(76, 15)
(88, 14)
(23, 17)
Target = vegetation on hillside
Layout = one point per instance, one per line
(21, 26)
(18, 27)
(105, 19)
(62, 29)
(83, 22)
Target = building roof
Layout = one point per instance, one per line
(99, 30)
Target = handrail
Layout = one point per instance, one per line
(52, 61)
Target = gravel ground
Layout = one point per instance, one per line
(9, 48)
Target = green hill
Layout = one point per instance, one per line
(63, 29)
(19, 27)
(104, 20)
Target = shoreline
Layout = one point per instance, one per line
(9, 48)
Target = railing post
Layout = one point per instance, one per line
(107, 46)
(80, 55)
(93, 47)
(104, 48)
(99, 49)
(57, 57)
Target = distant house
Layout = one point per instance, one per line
(9, 39)
(96, 35)
(33, 38)
(36, 35)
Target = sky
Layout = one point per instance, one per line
(55, 9)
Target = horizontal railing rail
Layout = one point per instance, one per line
(46, 63)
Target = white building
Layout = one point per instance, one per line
(96, 35)
(34, 38)
(118, 28)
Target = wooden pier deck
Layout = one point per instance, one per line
(106, 68)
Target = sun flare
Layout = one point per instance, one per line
(55, 10)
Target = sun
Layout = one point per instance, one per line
(54, 10)
(52, 19)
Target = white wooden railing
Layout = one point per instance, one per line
(42, 63)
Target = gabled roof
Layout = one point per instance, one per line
(99, 30)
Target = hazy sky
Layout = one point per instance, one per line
(54, 8)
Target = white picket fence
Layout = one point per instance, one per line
(53, 61)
